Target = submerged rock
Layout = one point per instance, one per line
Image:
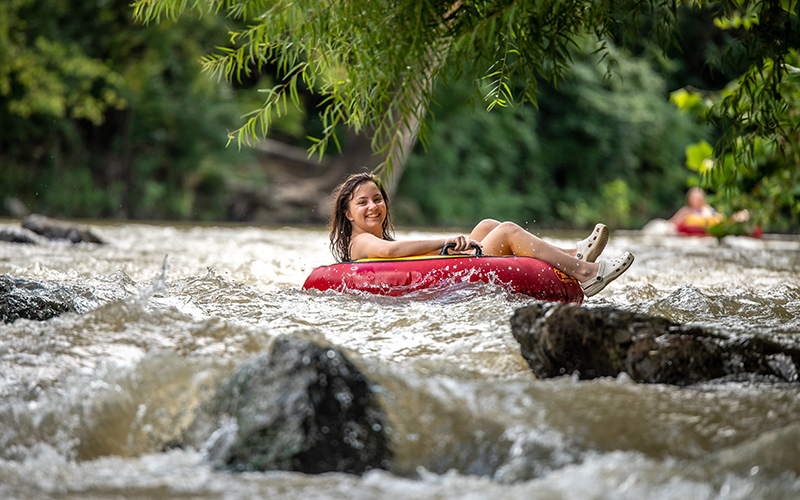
(29, 300)
(562, 339)
(60, 230)
(302, 408)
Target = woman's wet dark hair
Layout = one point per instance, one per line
(341, 229)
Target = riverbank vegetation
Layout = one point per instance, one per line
(106, 116)
(102, 117)
(597, 148)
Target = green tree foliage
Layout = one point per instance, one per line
(104, 117)
(598, 148)
(44, 76)
(477, 164)
(376, 62)
(755, 164)
(764, 179)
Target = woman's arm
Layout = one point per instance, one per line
(680, 215)
(368, 246)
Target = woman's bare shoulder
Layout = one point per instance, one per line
(365, 245)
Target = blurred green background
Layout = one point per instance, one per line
(103, 118)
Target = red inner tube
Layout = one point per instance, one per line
(688, 230)
(395, 277)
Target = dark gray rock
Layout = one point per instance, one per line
(562, 339)
(29, 300)
(12, 234)
(53, 229)
(303, 407)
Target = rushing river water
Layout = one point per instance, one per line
(90, 400)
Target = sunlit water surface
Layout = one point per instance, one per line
(89, 400)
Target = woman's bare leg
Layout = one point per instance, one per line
(507, 238)
(486, 226)
(483, 228)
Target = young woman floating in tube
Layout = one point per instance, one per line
(361, 227)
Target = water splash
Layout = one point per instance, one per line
(157, 285)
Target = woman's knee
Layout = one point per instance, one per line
(483, 228)
(508, 227)
(505, 232)
(487, 224)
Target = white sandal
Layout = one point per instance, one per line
(609, 271)
(590, 248)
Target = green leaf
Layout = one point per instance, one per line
(789, 5)
(698, 155)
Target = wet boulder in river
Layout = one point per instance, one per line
(303, 407)
(25, 299)
(12, 234)
(564, 339)
(54, 229)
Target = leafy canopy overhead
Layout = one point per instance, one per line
(376, 62)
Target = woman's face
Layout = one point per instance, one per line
(366, 210)
(697, 199)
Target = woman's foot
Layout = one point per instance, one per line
(608, 271)
(590, 248)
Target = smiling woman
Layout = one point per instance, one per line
(341, 224)
(361, 228)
